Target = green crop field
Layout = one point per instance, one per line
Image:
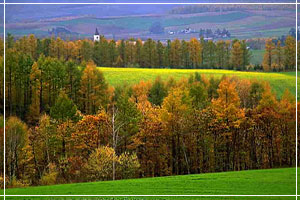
(252, 182)
(278, 81)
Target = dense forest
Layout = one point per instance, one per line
(66, 124)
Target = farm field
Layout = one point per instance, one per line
(270, 181)
(278, 81)
(241, 24)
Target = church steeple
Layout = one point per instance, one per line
(96, 33)
(96, 36)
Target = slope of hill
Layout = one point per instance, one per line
(271, 181)
(278, 81)
(125, 21)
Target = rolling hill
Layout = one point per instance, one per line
(125, 21)
(278, 81)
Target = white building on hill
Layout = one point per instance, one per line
(96, 36)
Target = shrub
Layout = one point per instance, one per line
(16, 183)
(50, 177)
(100, 164)
(128, 165)
(1, 182)
(250, 67)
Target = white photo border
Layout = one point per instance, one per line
(156, 3)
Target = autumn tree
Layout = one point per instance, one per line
(195, 52)
(122, 53)
(34, 109)
(246, 55)
(290, 53)
(91, 132)
(130, 52)
(176, 107)
(237, 55)
(287, 109)
(268, 56)
(150, 143)
(112, 53)
(86, 50)
(128, 165)
(149, 54)
(16, 140)
(220, 54)
(266, 118)
(92, 90)
(210, 54)
(42, 139)
(160, 53)
(73, 78)
(99, 164)
(229, 117)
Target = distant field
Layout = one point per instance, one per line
(242, 24)
(143, 23)
(271, 181)
(278, 81)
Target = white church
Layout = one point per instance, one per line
(96, 36)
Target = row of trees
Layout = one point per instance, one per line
(154, 54)
(78, 128)
(278, 58)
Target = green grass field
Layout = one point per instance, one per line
(253, 182)
(155, 198)
(278, 81)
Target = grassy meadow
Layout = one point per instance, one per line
(155, 198)
(252, 182)
(278, 81)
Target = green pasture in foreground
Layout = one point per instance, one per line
(278, 81)
(157, 198)
(253, 182)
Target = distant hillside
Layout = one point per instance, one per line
(28, 13)
(223, 8)
(243, 24)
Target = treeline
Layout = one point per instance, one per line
(278, 58)
(66, 124)
(223, 8)
(193, 54)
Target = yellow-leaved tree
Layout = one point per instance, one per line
(93, 90)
